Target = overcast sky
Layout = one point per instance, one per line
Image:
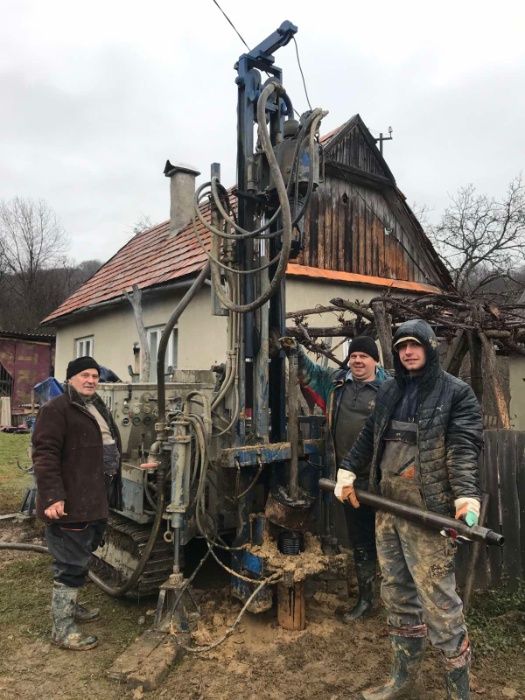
(96, 96)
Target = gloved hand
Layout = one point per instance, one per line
(288, 343)
(344, 488)
(467, 509)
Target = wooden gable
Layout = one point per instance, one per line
(359, 221)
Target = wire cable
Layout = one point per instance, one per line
(301, 71)
(230, 630)
(232, 24)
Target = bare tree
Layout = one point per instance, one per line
(482, 239)
(31, 238)
(32, 243)
(143, 223)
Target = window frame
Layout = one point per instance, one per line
(89, 340)
(171, 358)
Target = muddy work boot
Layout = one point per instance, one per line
(457, 676)
(65, 633)
(366, 573)
(84, 614)
(408, 653)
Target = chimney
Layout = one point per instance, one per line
(182, 190)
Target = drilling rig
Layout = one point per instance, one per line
(223, 455)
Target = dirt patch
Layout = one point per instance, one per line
(328, 660)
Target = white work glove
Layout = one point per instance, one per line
(467, 509)
(344, 487)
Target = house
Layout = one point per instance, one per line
(25, 360)
(360, 238)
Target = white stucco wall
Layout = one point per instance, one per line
(201, 336)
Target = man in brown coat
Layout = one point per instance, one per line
(76, 457)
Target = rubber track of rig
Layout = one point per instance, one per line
(133, 537)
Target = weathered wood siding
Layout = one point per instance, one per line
(358, 221)
(502, 477)
(352, 228)
(354, 149)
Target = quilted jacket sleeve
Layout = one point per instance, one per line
(464, 438)
(359, 457)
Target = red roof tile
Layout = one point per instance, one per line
(151, 258)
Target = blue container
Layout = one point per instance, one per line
(48, 389)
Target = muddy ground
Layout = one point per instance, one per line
(328, 661)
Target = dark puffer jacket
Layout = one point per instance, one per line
(68, 459)
(449, 422)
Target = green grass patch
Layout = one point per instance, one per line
(497, 621)
(13, 480)
(24, 606)
(25, 600)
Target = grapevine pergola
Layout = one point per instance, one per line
(468, 326)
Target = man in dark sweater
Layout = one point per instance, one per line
(76, 458)
(423, 441)
(347, 396)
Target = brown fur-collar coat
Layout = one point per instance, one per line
(68, 458)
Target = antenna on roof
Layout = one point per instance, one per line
(384, 138)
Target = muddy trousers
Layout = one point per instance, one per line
(71, 546)
(361, 531)
(418, 581)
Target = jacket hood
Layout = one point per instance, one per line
(420, 329)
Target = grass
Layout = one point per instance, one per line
(25, 597)
(26, 580)
(497, 621)
(13, 481)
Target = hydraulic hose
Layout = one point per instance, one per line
(242, 233)
(163, 343)
(23, 547)
(286, 214)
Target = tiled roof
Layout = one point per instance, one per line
(151, 258)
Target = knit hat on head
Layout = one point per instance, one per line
(80, 364)
(366, 344)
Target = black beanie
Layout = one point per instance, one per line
(80, 364)
(366, 344)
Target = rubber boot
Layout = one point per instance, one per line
(457, 675)
(84, 614)
(408, 653)
(366, 573)
(65, 633)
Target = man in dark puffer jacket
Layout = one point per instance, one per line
(423, 439)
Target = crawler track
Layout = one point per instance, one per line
(116, 560)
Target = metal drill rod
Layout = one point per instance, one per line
(426, 518)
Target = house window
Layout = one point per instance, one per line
(170, 361)
(84, 346)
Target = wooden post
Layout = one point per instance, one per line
(476, 370)
(291, 609)
(135, 299)
(495, 384)
(384, 332)
(474, 555)
(455, 353)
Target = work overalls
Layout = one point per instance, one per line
(417, 564)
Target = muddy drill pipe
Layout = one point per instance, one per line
(426, 518)
(293, 425)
